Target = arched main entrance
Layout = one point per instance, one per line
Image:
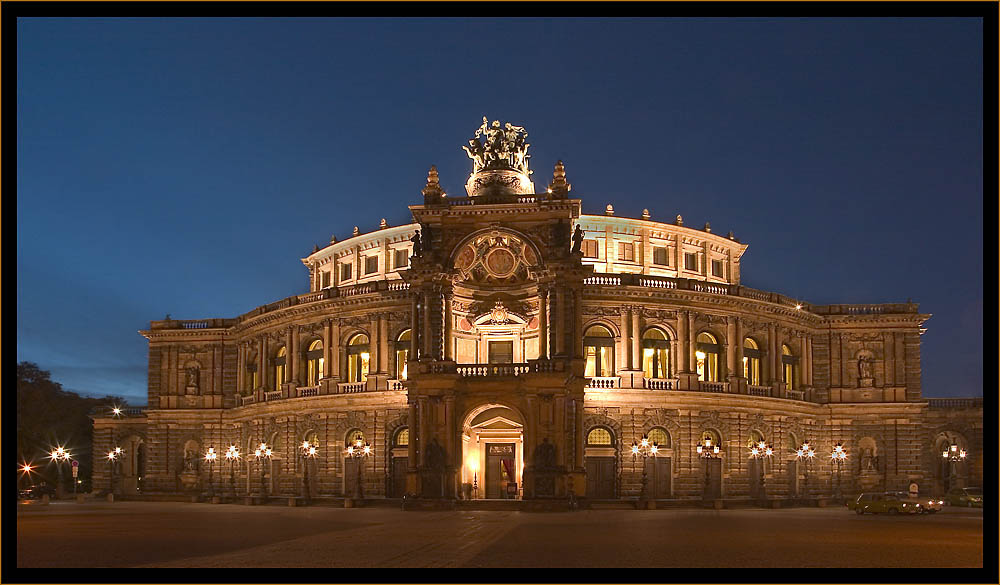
(492, 453)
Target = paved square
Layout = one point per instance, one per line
(129, 534)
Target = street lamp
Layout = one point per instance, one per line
(232, 456)
(211, 456)
(762, 450)
(60, 455)
(262, 453)
(644, 448)
(358, 450)
(953, 455)
(806, 453)
(308, 451)
(838, 456)
(707, 451)
(113, 456)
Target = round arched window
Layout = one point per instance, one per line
(314, 362)
(660, 437)
(707, 356)
(751, 362)
(358, 358)
(599, 436)
(598, 347)
(403, 437)
(402, 354)
(655, 354)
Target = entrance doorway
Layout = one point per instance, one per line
(492, 453)
(500, 464)
(755, 469)
(713, 478)
(658, 473)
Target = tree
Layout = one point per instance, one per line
(49, 417)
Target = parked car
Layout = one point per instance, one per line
(968, 497)
(879, 502)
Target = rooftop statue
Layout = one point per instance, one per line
(500, 148)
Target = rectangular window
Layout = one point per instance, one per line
(324, 279)
(626, 251)
(401, 258)
(691, 262)
(717, 268)
(371, 264)
(500, 352)
(660, 256)
(590, 248)
(345, 272)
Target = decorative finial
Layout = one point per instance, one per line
(333, 239)
(708, 227)
(731, 236)
(680, 220)
(645, 214)
(356, 231)
(609, 210)
(559, 187)
(432, 190)
(315, 248)
(382, 224)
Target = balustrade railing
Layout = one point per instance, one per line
(478, 370)
(247, 399)
(795, 394)
(759, 390)
(712, 386)
(604, 382)
(955, 402)
(398, 285)
(352, 387)
(272, 395)
(307, 391)
(396, 384)
(659, 384)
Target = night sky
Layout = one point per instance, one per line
(185, 166)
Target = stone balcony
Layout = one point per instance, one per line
(720, 387)
(604, 382)
(659, 384)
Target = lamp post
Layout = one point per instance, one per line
(308, 452)
(644, 448)
(838, 456)
(707, 451)
(113, 456)
(358, 450)
(953, 455)
(60, 455)
(262, 454)
(762, 451)
(232, 456)
(211, 456)
(806, 454)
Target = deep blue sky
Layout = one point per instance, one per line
(185, 166)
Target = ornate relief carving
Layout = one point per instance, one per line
(496, 258)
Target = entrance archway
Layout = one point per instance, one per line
(492, 452)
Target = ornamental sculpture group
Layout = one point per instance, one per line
(500, 149)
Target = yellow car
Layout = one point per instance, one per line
(879, 502)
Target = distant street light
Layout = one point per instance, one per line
(211, 456)
(953, 455)
(707, 451)
(262, 454)
(644, 448)
(806, 454)
(358, 450)
(232, 456)
(60, 455)
(838, 456)
(113, 456)
(762, 451)
(308, 452)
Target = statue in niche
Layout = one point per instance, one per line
(192, 379)
(869, 461)
(416, 243)
(190, 460)
(578, 240)
(545, 455)
(865, 367)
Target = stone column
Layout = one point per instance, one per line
(422, 433)
(732, 369)
(335, 350)
(449, 345)
(411, 448)
(241, 356)
(738, 352)
(692, 341)
(383, 344)
(636, 336)
(327, 345)
(288, 355)
(684, 353)
(543, 323)
(427, 338)
(559, 318)
(295, 356)
(809, 360)
(262, 365)
(414, 327)
(622, 360)
(577, 323)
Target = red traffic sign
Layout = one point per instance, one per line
(76, 463)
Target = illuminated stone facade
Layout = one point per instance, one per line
(516, 348)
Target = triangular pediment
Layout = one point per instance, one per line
(497, 423)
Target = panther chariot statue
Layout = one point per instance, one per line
(500, 161)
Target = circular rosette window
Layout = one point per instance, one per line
(496, 258)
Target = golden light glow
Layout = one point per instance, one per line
(232, 453)
(654, 449)
(700, 355)
(211, 455)
(116, 411)
(635, 449)
(472, 462)
(350, 449)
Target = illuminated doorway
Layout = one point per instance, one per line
(492, 452)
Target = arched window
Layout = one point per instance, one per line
(402, 437)
(655, 354)
(660, 437)
(358, 358)
(279, 368)
(789, 368)
(599, 346)
(314, 362)
(707, 354)
(754, 438)
(402, 354)
(353, 436)
(598, 437)
(751, 362)
(251, 378)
